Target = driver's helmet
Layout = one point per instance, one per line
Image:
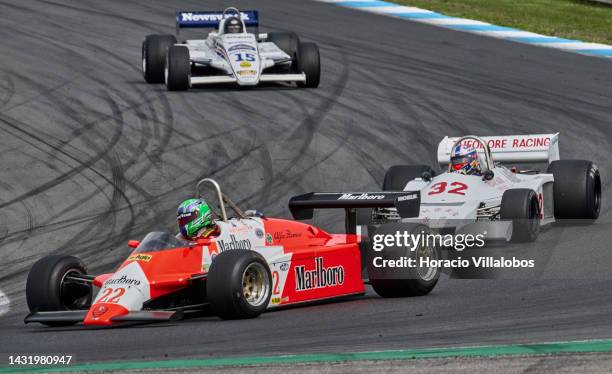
(193, 215)
(465, 160)
(232, 25)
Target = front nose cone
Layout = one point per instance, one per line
(102, 313)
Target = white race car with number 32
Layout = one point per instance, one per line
(502, 202)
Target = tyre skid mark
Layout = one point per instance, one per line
(283, 182)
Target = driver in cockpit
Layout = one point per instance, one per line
(465, 160)
(196, 220)
(232, 25)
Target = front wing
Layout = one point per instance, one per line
(75, 316)
(217, 79)
(202, 55)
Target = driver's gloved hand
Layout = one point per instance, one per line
(254, 213)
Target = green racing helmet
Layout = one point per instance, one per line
(193, 215)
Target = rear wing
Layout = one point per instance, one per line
(509, 149)
(211, 19)
(408, 204)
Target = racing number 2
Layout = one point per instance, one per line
(458, 188)
(116, 292)
(275, 279)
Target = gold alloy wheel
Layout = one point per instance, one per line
(255, 284)
(426, 273)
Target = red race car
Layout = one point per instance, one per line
(251, 264)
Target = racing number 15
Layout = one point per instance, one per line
(245, 57)
(458, 188)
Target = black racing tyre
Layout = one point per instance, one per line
(577, 189)
(521, 206)
(239, 284)
(178, 68)
(309, 63)
(288, 42)
(47, 290)
(154, 49)
(398, 176)
(403, 281)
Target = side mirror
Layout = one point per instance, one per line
(426, 176)
(488, 175)
(254, 213)
(133, 243)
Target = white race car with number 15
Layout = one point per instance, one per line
(229, 54)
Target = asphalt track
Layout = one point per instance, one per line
(92, 156)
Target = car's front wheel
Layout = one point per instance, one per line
(178, 68)
(49, 289)
(239, 284)
(398, 176)
(309, 63)
(521, 206)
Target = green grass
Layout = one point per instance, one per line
(572, 19)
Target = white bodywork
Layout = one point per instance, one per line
(469, 203)
(238, 58)
(133, 281)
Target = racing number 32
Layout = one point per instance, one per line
(457, 188)
(116, 295)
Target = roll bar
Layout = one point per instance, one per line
(219, 194)
(222, 199)
(234, 9)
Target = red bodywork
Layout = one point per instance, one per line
(321, 266)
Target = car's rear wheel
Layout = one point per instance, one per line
(48, 289)
(154, 49)
(401, 281)
(309, 63)
(398, 176)
(178, 68)
(577, 190)
(239, 284)
(521, 206)
(288, 42)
